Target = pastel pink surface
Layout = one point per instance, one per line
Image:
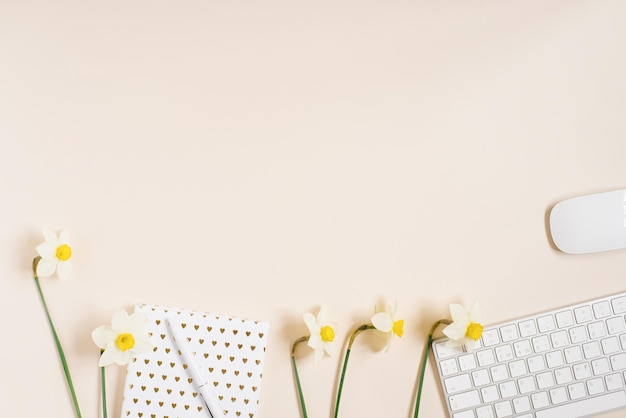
(264, 158)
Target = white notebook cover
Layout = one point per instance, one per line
(229, 352)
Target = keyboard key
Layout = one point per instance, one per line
(540, 400)
(558, 395)
(618, 361)
(517, 368)
(458, 383)
(610, 345)
(526, 384)
(509, 333)
(600, 366)
(559, 339)
(536, 364)
(596, 330)
(578, 334)
(582, 371)
(521, 405)
(503, 409)
(595, 386)
(480, 377)
(583, 314)
(573, 354)
(522, 348)
(577, 390)
(499, 373)
(485, 357)
(613, 381)
(504, 353)
(541, 343)
(467, 362)
(585, 407)
(592, 350)
(490, 393)
(485, 412)
(545, 380)
(546, 323)
(615, 325)
(527, 328)
(448, 367)
(464, 400)
(490, 337)
(508, 389)
(465, 414)
(444, 351)
(619, 305)
(563, 375)
(564, 319)
(554, 359)
(602, 309)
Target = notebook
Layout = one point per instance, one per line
(229, 351)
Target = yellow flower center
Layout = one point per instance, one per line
(474, 331)
(398, 327)
(125, 341)
(64, 252)
(327, 334)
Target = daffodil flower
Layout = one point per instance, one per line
(55, 253)
(386, 324)
(466, 327)
(124, 339)
(322, 333)
(321, 339)
(464, 330)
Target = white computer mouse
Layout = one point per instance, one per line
(591, 223)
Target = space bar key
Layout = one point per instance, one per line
(586, 407)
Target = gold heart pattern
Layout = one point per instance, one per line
(229, 352)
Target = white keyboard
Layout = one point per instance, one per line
(569, 362)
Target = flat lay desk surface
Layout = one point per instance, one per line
(264, 158)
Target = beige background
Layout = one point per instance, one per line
(261, 158)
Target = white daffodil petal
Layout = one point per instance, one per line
(455, 331)
(124, 357)
(137, 322)
(311, 323)
(64, 237)
(382, 321)
(64, 268)
(322, 316)
(470, 344)
(458, 313)
(454, 343)
(119, 322)
(109, 356)
(476, 313)
(329, 349)
(47, 251)
(103, 336)
(46, 268)
(315, 341)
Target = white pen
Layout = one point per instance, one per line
(210, 401)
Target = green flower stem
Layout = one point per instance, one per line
(345, 363)
(57, 342)
(103, 389)
(425, 360)
(295, 371)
